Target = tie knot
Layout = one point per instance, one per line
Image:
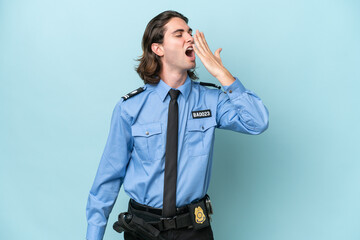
(174, 94)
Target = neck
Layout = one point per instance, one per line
(174, 79)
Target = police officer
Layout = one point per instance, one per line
(160, 144)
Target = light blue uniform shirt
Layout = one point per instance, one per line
(134, 154)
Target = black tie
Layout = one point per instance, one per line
(169, 200)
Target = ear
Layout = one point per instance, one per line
(157, 48)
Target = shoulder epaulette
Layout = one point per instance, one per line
(133, 93)
(210, 85)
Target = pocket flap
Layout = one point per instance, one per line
(146, 130)
(200, 124)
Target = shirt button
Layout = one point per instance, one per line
(230, 91)
(224, 92)
(147, 133)
(202, 127)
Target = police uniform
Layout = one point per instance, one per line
(135, 150)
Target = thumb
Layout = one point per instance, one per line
(217, 52)
(217, 55)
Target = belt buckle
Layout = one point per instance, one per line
(169, 223)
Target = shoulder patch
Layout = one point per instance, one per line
(133, 93)
(210, 85)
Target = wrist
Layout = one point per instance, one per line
(225, 77)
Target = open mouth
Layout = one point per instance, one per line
(190, 53)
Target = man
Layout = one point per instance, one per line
(161, 137)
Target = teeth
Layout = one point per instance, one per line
(189, 48)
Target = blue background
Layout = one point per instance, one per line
(65, 64)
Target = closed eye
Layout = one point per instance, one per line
(181, 35)
(181, 31)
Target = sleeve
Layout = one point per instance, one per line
(110, 174)
(241, 110)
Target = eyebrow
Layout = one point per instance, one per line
(181, 30)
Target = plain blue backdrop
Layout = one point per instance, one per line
(65, 64)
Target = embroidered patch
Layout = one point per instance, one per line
(201, 114)
(199, 215)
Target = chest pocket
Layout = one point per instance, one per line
(148, 141)
(200, 135)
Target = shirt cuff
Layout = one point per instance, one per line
(235, 89)
(95, 232)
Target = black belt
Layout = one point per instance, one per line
(157, 211)
(195, 215)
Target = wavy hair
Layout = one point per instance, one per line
(150, 64)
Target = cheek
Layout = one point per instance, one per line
(174, 48)
(173, 54)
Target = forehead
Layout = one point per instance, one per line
(174, 24)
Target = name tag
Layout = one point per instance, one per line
(201, 114)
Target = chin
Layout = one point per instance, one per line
(191, 66)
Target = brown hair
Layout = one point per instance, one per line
(150, 64)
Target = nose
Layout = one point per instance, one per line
(189, 38)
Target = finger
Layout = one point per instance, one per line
(197, 51)
(200, 43)
(202, 36)
(196, 41)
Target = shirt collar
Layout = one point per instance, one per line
(163, 89)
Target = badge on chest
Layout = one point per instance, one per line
(201, 113)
